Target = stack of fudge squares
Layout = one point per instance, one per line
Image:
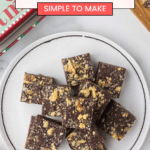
(86, 112)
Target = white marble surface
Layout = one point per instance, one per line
(123, 28)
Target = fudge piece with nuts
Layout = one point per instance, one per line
(29, 132)
(94, 138)
(45, 133)
(52, 96)
(30, 127)
(110, 77)
(85, 140)
(100, 96)
(32, 84)
(78, 113)
(116, 120)
(78, 68)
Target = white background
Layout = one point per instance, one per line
(33, 3)
(123, 28)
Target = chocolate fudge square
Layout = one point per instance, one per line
(78, 68)
(101, 97)
(29, 131)
(111, 78)
(32, 84)
(101, 147)
(94, 138)
(78, 113)
(116, 120)
(85, 140)
(45, 133)
(31, 126)
(52, 96)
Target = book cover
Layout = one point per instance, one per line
(11, 18)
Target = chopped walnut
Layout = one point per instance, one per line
(58, 114)
(53, 114)
(93, 89)
(126, 129)
(29, 97)
(29, 92)
(85, 116)
(81, 142)
(85, 92)
(82, 126)
(114, 135)
(61, 133)
(69, 67)
(125, 115)
(53, 146)
(81, 99)
(54, 96)
(45, 124)
(119, 69)
(108, 80)
(61, 91)
(94, 132)
(71, 135)
(101, 83)
(112, 128)
(103, 101)
(73, 143)
(85, 76)
(29, 78)
(41, 82)
(68, 102)
(74, 83)
(129, 125)
(50, 131)
(79, 107)
(80, 117)
(86, 66)
(76, 76)
(66, 89)
(118, 89)
(121, 137)
(101, 146)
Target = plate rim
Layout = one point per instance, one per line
(145, 128)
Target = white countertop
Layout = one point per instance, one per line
(123, 28)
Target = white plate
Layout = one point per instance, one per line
(44, 56)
